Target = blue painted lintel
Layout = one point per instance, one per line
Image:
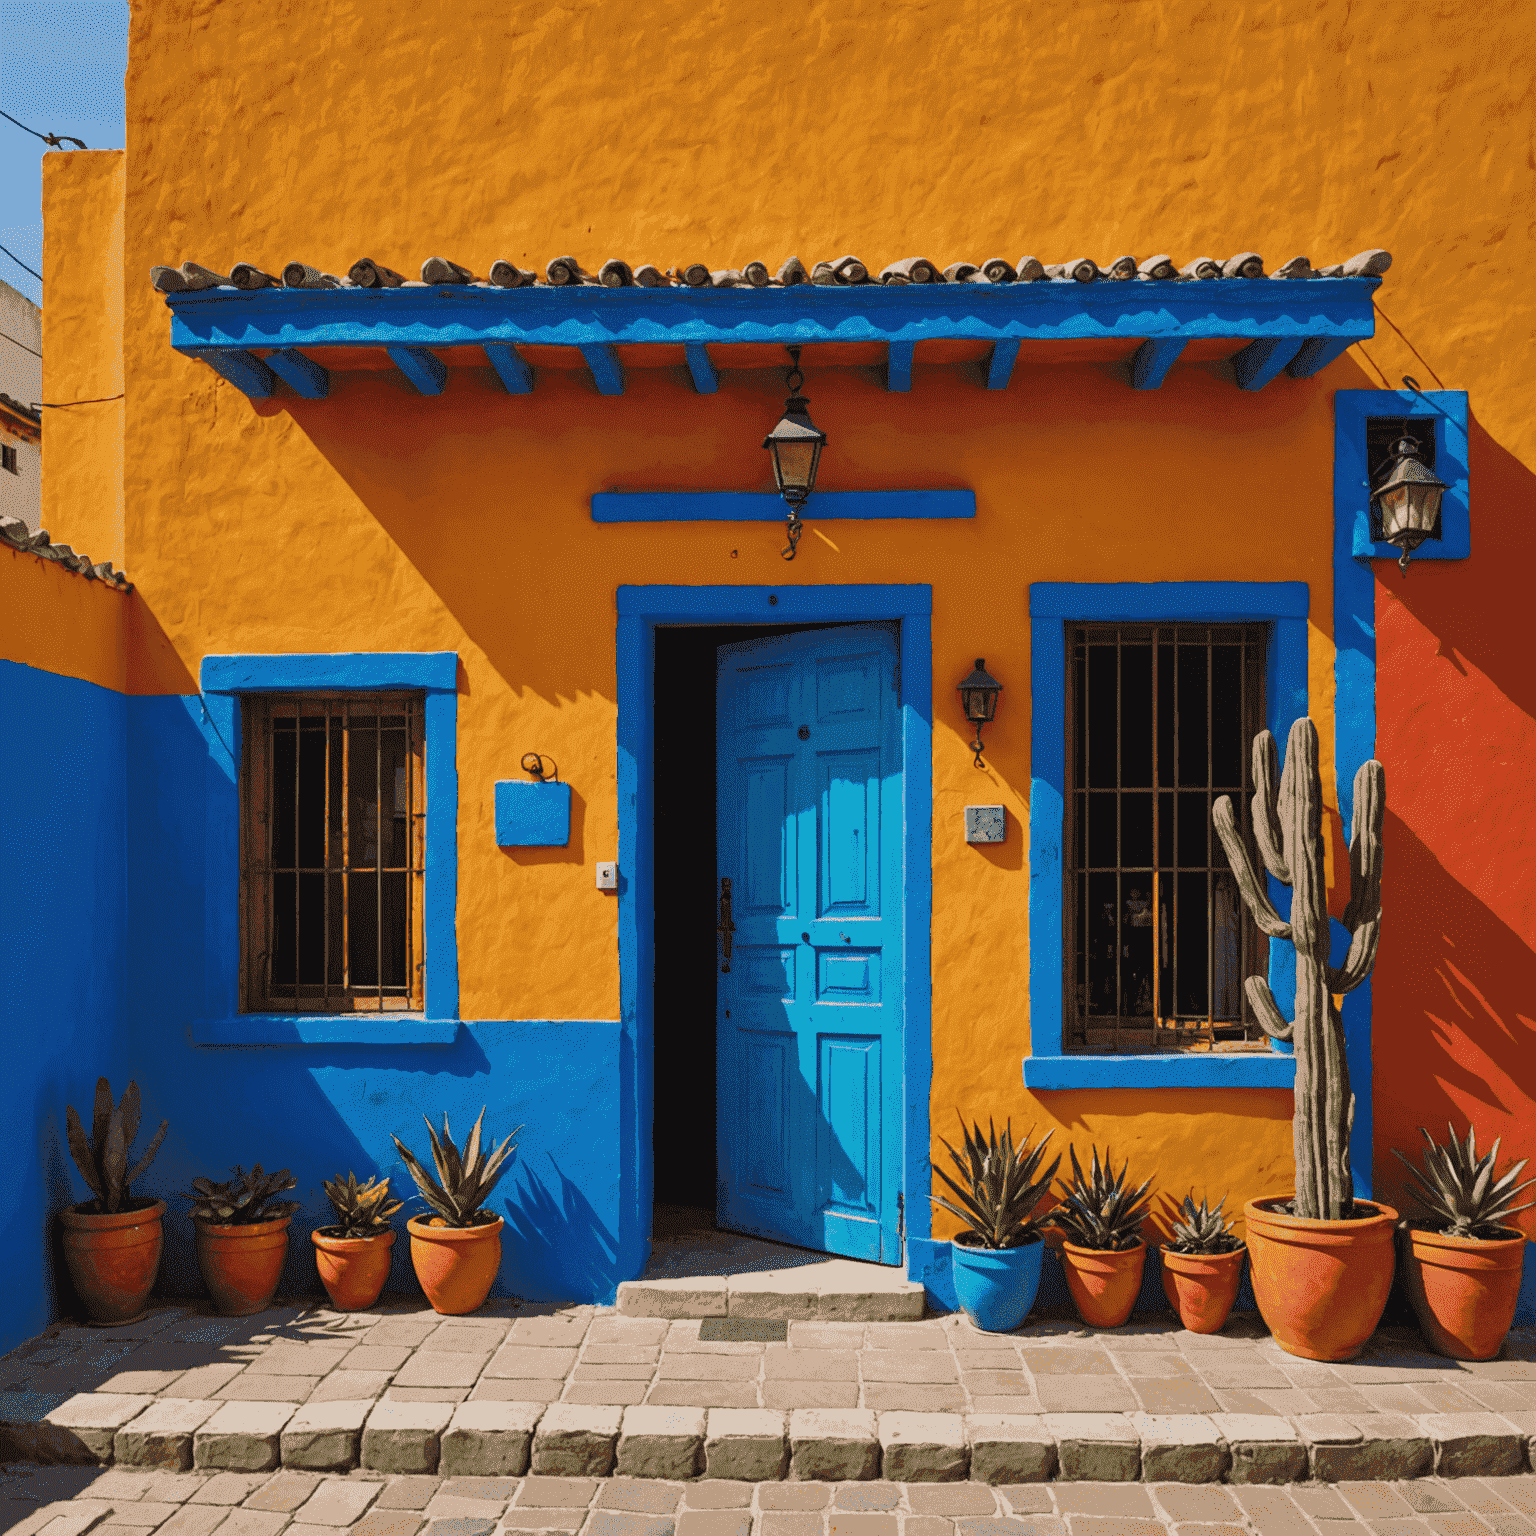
(301, 373)
(1260, 361)
(370, 1029)
(706, 377)
(532, 814)
(243, 369)
(511, 367)
(604, 364)
(376, 671)
(1153, 359)
(422, 366)
(1246, 1069)
(898, 367)
(1004, 355)
(766, 507)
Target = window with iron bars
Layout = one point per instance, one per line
(1161, 719)
(332, 853)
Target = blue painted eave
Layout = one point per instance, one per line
(1252, 308)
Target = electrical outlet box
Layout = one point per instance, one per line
(986, 824)
(607, 876)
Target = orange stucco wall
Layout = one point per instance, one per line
(381, 520)
(57, 621)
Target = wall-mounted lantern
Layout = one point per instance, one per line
(978, 698)
(1409, 501)
(795, 446)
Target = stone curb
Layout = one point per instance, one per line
(510, 1439)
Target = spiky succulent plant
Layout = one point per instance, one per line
(102, 1157)
(245, 1199)
(1203, 1230)
(464, 1180)
(362, 1210)
(1098, 1212)
(999, 1193)
(1459, 1190)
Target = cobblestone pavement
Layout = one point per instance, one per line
(68, 1501)
(529, 1353)
(400, 1389)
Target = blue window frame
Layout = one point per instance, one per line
(224, 679)
(1052, 607)
(1443, 409)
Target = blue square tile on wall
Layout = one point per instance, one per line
(532, 815)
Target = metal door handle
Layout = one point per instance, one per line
(726, 927)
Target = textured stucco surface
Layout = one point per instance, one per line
(382, 520)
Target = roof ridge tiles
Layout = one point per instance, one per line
(843, 271)
(15, 533)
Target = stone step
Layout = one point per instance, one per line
(508, 1439)
(831, 1290)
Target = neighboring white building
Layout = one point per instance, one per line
(21, 387)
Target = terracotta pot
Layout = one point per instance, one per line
(114, 1259)
(242, 1263)
(1464, 1290)
(1104, 1283)
(353, 1269)
(1201, 1287)
(1321, 1286)
(455, 1265)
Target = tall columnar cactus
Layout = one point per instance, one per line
(1287, 826)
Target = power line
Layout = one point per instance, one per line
(24, 347)
(20, 263)
(52, 140)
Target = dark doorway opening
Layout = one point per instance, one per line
(686, 945)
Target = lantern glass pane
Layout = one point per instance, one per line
(1423, 506)
(795, 464)
(1394, 511)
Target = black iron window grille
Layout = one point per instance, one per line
(332, 853)
(1158, 941)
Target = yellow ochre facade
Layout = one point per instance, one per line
(379, 519)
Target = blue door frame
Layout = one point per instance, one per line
(640, 611)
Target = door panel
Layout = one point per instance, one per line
(809, 1025)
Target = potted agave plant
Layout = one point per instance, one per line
(112, 1243)
(457, 1251)
(1202, 1264)
(242, 1237)
(1462, 1266)
(1321, 1260)
(353, 1255)
(1104, 1251)
(997, 1257)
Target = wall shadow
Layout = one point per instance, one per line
(1455, 1023)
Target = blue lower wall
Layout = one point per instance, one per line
(63, 839)
(322, 1110)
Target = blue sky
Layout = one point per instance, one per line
(61, 71)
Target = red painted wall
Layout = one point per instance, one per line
(1455, 990)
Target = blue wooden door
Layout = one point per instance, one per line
(810, 1001)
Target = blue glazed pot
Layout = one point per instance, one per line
(996, 1286)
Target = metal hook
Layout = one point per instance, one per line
(794, 380)
(533, 764)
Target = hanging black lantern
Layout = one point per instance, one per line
(795, 446)
(978, 698)
(1409, 501)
